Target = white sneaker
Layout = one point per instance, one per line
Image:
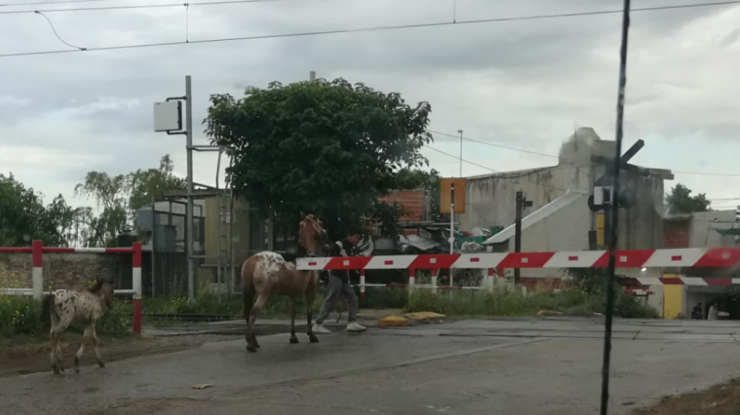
(320, 329)
(354, 327)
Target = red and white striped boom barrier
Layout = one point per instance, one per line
(648, 258)
(37, 279)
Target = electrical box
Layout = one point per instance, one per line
(167, 116)
(603, 195)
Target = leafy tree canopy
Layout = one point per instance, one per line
(119, 197)
(331, 148)
(681, 201)
(23, 216)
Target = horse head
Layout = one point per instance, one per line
(312, 234)
(103, 288)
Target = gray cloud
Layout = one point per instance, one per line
(524, 84)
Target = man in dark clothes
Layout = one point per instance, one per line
(338, 286)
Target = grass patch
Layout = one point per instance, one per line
(509, 302)
(207, 303)
(21, 321)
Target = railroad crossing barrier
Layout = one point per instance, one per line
(37, 279)
(497, 262)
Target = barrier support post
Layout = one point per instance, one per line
(37, 273)
(435, 273)
(362, 287)
(489, 280)
(136, 268)
(412, 280)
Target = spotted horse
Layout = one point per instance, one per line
(269, 273)
(86, 307)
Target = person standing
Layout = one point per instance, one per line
(713, 312)
(338, 286)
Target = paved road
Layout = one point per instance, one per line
(522, 366)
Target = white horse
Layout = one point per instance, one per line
(86, 307)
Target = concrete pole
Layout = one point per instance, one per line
(189, 209)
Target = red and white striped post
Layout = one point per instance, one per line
(489, 280)
(362, 287)
(37, 273)
(136, 274)
(435, 273)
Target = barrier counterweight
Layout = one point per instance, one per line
(37, 251)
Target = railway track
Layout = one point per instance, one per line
(190, 317)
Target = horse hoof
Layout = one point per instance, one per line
(313, 338)
(251, 349)
(293, 340)
(56, 370)
(101, 364)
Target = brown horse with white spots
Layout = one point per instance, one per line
(86, 307)
(268, 273)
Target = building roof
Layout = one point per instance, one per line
(512, 173)
(535, 217)
(681, 217)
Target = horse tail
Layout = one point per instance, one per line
(46, 309)
(248, 290)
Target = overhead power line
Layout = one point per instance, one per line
(217, 2)
(496, 171)
(136, 6)
(337, 31)
(464, 161)
(38, 3)
(488, 143)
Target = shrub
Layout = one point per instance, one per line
(19, 315)
(22, 315)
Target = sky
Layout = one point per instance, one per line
(525, 84)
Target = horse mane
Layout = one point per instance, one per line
(95, 289)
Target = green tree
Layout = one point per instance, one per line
(111, 197)
(119, 197)
(681, 201)
(23, 216)
(331, 148)
(146, 185)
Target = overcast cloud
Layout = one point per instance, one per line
(524, 84)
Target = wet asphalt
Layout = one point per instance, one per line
(504, 366)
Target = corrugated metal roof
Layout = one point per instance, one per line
(536, 216)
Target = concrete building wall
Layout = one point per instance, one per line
(490, 199)
(702, 229)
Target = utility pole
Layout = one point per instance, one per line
(613, 218)
(189, 210)
(461, 144)
(452, 227)
(521, 203)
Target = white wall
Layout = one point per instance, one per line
(702, 233)
(490, 200)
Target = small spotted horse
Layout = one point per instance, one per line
(86, 307)
(269, 273)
